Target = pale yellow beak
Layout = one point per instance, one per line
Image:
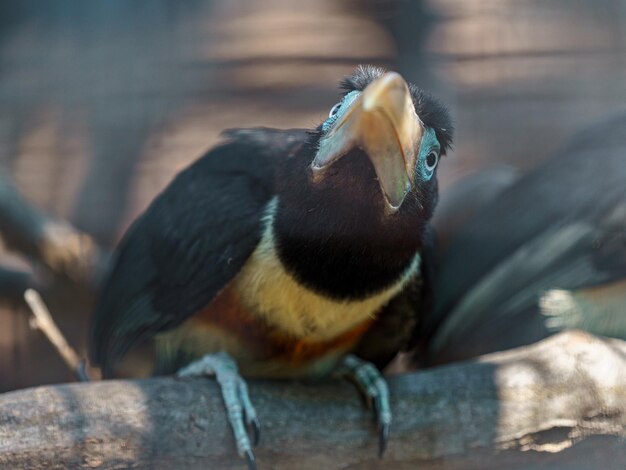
(382, 121)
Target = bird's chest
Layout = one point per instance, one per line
(274, 326)
(268, 291)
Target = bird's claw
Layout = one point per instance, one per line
(250, 460)
(239, 409)
(383, 438)
(371, 382)
(383, 419)
(252, 422)
(255, 430)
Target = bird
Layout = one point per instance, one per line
(546, 253)
(298, 253)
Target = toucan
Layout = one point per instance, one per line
(295, 253)
(545, 253)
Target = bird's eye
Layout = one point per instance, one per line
(430, 162)
(334, 110)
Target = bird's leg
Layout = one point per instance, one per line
(236, 399)
(372, 384)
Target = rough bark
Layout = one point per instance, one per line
(561, 403)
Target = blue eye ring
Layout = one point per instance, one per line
(429, 154)
(339, 108)
(335, 109)
(431, 160)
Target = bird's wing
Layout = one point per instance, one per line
(191, 241)
(559, 227)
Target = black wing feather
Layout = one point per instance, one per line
(560, 226)
(191, 241)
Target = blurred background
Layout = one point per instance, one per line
(101, 103)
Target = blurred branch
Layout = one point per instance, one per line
(46, 241)
(13, 283)
(64, 251)
(561, 401)
(42, 320)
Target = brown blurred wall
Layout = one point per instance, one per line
(102, 102)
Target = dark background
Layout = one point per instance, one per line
(101, 103)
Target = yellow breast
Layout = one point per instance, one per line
(266, 288)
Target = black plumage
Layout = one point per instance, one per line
(548, 253)
(349, 251)
(191, 241)
(333, 237)
(287, 253)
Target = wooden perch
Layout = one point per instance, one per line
(561, 401)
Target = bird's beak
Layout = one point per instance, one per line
(382, 121)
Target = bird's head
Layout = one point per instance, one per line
(355, 201)
(400, 130)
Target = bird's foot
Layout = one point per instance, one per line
(236, 399)
(372, 384)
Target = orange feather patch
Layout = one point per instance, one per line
(268, 342)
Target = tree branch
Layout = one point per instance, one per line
(561, 401)
(49, 242)
(42, 320)
(13, 283)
